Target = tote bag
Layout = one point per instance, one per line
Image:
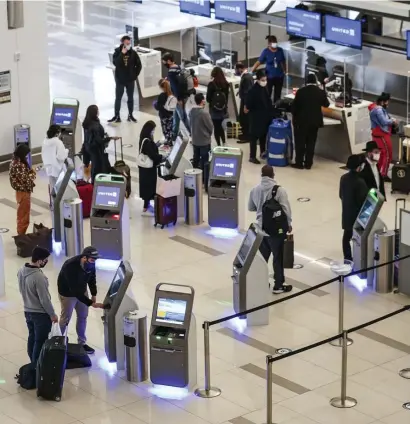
(171, 104)
(143, 160)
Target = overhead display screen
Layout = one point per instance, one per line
(303, 23)
(171, 311)
(342, 31)
(408, 45)
(225, 167)
(196, 7)
(107, 196)
(63, 116)
(231, 11)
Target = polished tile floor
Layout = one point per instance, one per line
(302, 385)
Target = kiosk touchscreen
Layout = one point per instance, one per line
(250, 278)
(110, 220)
(172, 161)
(366, 225)
(173, 345)
(117, 303)
(223, 189)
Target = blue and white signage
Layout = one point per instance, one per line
(196, 7)
(346, 32)
(303, 23)
(63, 116)
(231, 11)
(408, 45)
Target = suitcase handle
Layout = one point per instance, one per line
(396, 215)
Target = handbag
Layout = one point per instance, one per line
(171, 104)
(289, 252)
(143, 161)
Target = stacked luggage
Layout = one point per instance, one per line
(279, 143)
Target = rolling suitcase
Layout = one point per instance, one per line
(121, 168)
(400, 176)
(166, 210)
(85, 191)
(279, 143)
(51, 367)
(77, 357)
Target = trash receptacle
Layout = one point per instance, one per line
(73, 227)
(383, 252)
(136, 346)
(193, 192)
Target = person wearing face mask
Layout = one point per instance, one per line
(38, 309)
(352, 193)
(244, 86)
(127, 69)
(371, 173)
(76, 277)
(275, 67)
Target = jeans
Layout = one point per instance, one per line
(254, 143)
(68, 304)
(180, 115)
(305, 142)
(276, 246)
(275, 84)
(39, 326)
(347, 249)
(23, 199)
(146, 203)
(119, 92)
(201, 158)
(219, 132)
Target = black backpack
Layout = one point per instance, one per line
(218, 101)
(27, 377)
(185, 82)
(274, 219)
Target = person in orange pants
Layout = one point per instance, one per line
(22, 181)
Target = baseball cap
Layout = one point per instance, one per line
(90, 252)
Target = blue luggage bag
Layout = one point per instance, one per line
(280, 147)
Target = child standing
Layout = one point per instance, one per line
(166, 105)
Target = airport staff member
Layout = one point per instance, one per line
(371, 172)
(352, 193)
(307, 118)
(272, 244)
(127, 69)
(38, 309)
(76, 276)
(244, 86)
(275, 67)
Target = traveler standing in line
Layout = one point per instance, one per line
(127, 69)
(352, 193)
(275, 67)
(76, 276)
(202, 128)
(217, 97)
(244, 86)
(260, 109)
(22, 178)
(53, 154)
(38, 309)
(148, 176)
(371, 171)
(166, 105)
(307, 118)
(277, 227)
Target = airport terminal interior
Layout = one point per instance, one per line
(80, 36)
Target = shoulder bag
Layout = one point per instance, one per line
(143, 160)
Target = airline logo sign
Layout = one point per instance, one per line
(231, 11)
(196, 7)
(346, 32)
(303, 24)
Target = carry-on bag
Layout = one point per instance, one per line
(280, 149)
(121, 168)
(289, 252)
(77, 357)
(26, 377)
(41, 236)
(85, 191)
(51, 367)
(166, 210)
(400, 176)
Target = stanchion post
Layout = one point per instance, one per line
(269, 399)
(208, 391)
(344, 401)
(339, 342)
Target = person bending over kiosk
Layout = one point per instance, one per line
(244, 86)
(352, 193)
(76, 276)
(268, 198)
(371, 172)
(275, 67)
(307, 119)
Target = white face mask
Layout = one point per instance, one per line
(274, 45)
(263, 83)
(128, 46)
(375, 157)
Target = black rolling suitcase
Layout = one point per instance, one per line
(166, 210)
(51, 367)
(400, 177)
(121, 168)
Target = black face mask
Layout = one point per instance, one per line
(89, 267)
(384, 106)
(45, 262)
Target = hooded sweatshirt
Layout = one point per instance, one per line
(33, 286)
(201, 127)
(53, 154)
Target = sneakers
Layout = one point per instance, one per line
(147, 212)
(115, 119)
(89, 350)
(131, 118)
(255, 161)
(283, 289)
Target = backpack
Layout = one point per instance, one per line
(185, 82)
(27, 377)
(274, 219)
(218, 101)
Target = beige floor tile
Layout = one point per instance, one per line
(8, 373)
(280, 414)
(400, 417)
(7, 420)
(114, 416)
(329, 415)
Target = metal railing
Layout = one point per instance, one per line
(208, 391)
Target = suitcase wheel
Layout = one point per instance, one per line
(175, 223)
(162, 227)
(57, 399)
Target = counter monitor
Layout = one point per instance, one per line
(107, 196)
(303, 23)
(366, 212)
(171, 311)
(343, 31)
(246, 245)
(63, 116)
(225, 167)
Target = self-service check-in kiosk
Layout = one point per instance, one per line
(223, 189)
(250, 278)
(110, 219)
(117, 304)
(173, 344)
(65, 114)
(366, 225)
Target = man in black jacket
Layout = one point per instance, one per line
(127, 68)
(352, 193)
(76, 276)
(244, 86)
(371, 172)
(307, 119)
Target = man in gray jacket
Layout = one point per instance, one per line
(38, 309)
(201, 132)
(272, 244)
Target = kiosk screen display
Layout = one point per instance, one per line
(346, 32)
(196, 7)
(115, 286)
(225, 167)
(107, 196)
(302, 23)
(174, 151)
(63, 116)
(231, 11)
(366, 212)
(246, 246)
(171, 311)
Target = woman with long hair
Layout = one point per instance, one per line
(217, 98)
(166, 105)
(22, 181)
(148, 176)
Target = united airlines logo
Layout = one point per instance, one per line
(200, 2)
(235, 9)
(107, 193)
(226, 165)
(350, 32)
(63, 114)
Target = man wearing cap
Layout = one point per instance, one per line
(371, 172)
(38, 309)
(77, 275)
(352, 193)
